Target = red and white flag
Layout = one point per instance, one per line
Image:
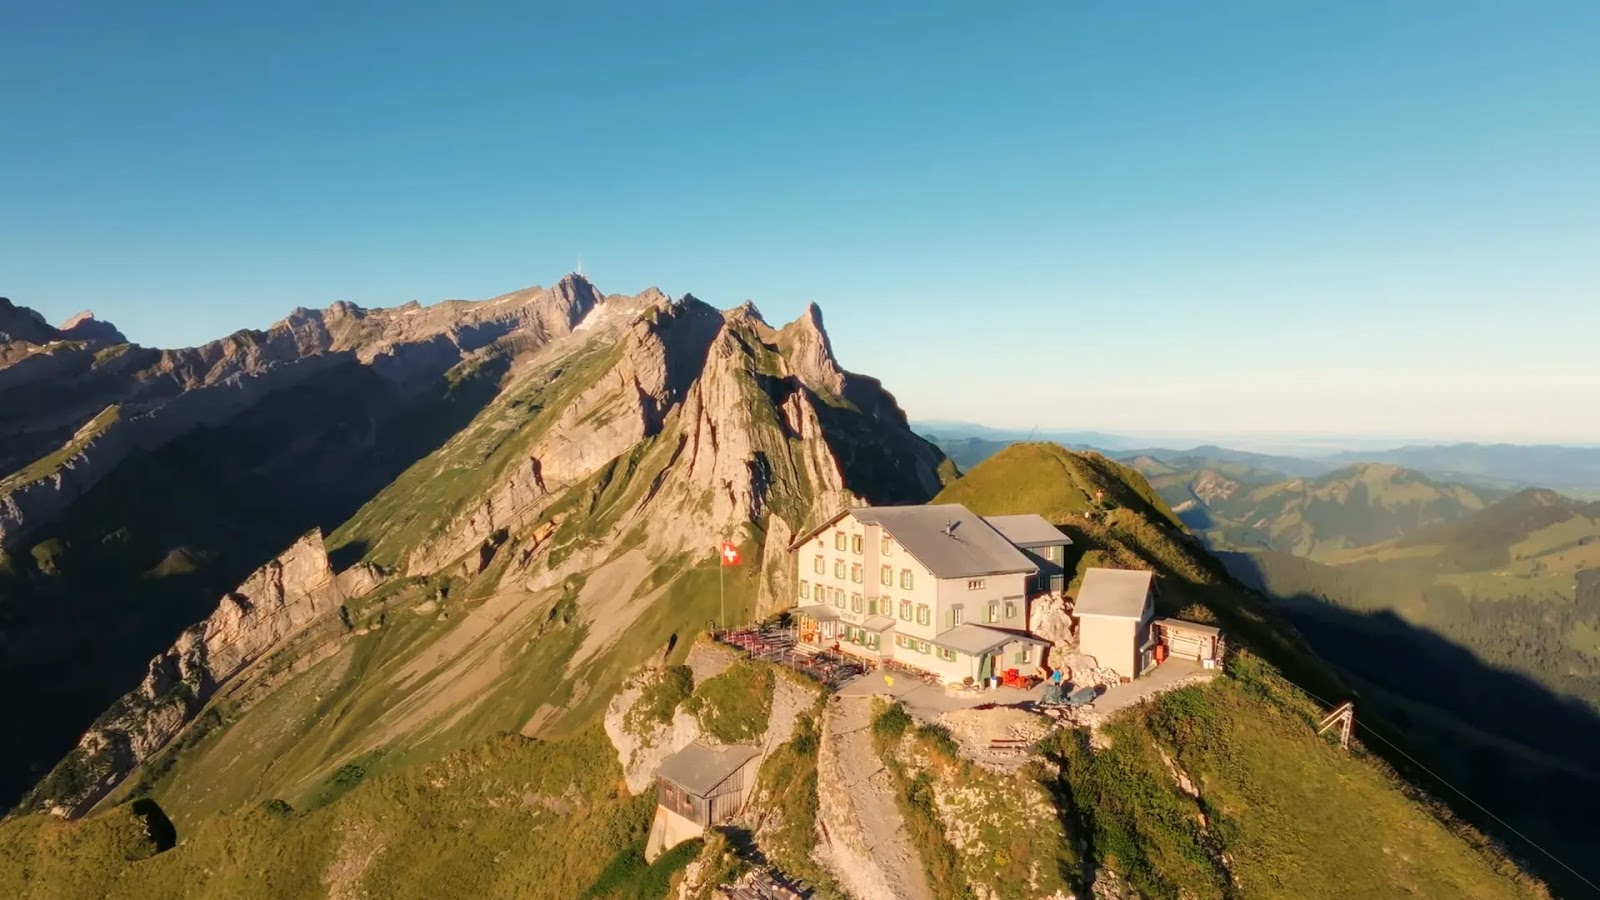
(730, 554)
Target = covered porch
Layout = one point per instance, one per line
(982, 654)
(867, 640)
(817, 625)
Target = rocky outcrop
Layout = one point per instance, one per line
(641, 754)
(273, 604)
(1210, 487)
(1052, 620)
(360, 579)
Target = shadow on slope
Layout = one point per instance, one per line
(150, 549)
(1527, 754)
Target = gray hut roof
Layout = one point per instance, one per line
(699, 768)
(1113, 592)
(1028, 530)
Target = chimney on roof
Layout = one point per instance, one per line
(950, 528)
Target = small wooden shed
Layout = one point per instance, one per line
(1189, 640)
(707, 784)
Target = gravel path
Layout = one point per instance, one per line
(864, 838)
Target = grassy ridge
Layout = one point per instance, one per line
(1279, 813)
(1056, 483)
(464, 826)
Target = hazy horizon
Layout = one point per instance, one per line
(1273, 443)
(1163, 219)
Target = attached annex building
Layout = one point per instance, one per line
(1114, 608)
(937, 588)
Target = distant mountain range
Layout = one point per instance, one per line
(1357, 506)
(1574, 470)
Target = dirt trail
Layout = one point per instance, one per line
(864, 838)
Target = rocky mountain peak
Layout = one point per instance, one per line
(19, 323)
(811, 353)
(749, 310)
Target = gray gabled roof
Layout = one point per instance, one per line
(976, 640)
(949, 539)
(1113, 592)
(699, 767)
(1028, 530)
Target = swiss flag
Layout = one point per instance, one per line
(730, 554)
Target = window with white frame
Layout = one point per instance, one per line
(838, 568)
(956, 616)
(887, 576)
(838, 541)
(857, 543)
(947, 655)
(975, 584)
(1025, 655)
(924, 615)
(1011, 610)
(855, 572)
(805, 590)
(922, 646)
(855, 603)
(992, 612)
(905, 579)
(905, 610)
(886, 546)
(821, 566)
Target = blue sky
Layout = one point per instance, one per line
(1229, 219)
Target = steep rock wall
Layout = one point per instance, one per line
(274, 603)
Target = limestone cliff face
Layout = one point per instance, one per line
(811, 354)
(54, 382)
(742, 431)
(654, 342)
(273, 604)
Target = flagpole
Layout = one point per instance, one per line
(722, 607)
